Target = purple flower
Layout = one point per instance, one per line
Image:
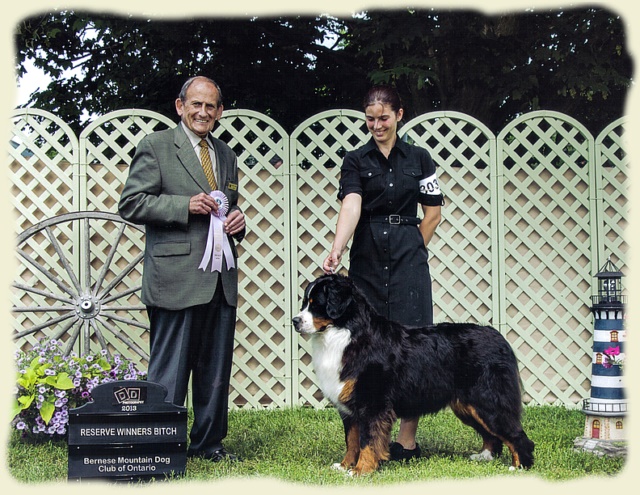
(85, 373)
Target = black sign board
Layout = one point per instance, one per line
(129, 432)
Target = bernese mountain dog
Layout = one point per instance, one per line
(375, 371)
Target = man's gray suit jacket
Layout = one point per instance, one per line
(164, 174)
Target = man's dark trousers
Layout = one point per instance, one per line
(196, 338)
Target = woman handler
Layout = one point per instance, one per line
(381, 185)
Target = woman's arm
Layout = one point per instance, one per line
(348, 219)
(431, 220)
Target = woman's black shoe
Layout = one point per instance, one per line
(399, 453)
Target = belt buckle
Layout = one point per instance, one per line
(394, 219)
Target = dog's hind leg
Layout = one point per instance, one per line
(508, 430)
(491, 444)
(505, 424)
(522, 447)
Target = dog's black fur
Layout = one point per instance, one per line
(390, 371)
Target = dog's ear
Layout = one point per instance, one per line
(339, 297)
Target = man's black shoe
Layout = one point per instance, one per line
(216, 456)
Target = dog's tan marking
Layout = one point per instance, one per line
(514, 453)
(378, 449)
(367, 462)
(381, 434)
(468, 410)
(347, 391)
(321, 323)
(353, 447)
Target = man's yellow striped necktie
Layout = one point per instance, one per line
(207, 166)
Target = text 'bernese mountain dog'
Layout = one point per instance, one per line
(375, 371)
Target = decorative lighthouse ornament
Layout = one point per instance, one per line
(606, 409)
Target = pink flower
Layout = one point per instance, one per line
(613, 351)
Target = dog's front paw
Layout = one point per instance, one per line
(359, 470)
(338, 467)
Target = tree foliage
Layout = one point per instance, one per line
(495, 68)
(263, 64)
(291, 67)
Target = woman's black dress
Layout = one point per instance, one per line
(388, 258)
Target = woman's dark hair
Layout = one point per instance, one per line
(387, 95)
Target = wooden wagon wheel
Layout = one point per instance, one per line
(79, 281)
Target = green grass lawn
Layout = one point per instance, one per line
(299, 446)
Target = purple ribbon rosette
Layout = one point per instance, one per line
(217, 242)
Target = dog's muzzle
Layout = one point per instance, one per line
(297, 321)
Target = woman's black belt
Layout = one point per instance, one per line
(394, 219)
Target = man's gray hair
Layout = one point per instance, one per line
(185, 87)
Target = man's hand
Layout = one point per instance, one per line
(202, 204)
(234, 223)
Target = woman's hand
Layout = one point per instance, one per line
(332, 262)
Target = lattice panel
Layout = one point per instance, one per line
(524, 229)
(42, 151)
(547, 257)
(613, 163)
(107, 148)
(461, 249)
(262, 361)
(318, 150)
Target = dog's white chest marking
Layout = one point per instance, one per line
(327, 350)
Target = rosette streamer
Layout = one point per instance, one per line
(217, 242)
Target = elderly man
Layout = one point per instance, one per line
(183, 186)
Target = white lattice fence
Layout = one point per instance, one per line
(262, 361)
(318, 146)
(41, 167)
(43, 181)
(461, 250)
(611, 195)
(548, 224)
(528, 220)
